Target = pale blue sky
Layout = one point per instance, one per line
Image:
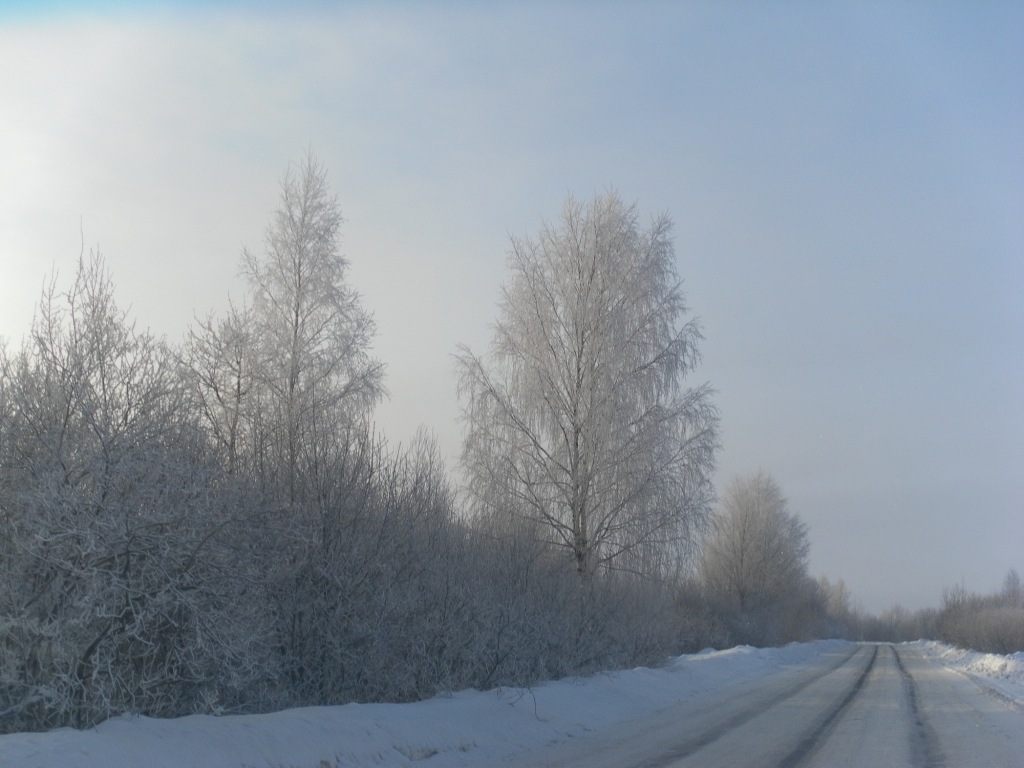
(847, 182)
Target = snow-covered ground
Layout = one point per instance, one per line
(1003, 674)
(465, 729)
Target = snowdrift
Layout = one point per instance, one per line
(1002, 674)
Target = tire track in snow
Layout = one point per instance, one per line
(806, 746)
(924, 744)
(721, 729)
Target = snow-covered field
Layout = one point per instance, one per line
(465, 729)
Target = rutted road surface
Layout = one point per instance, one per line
(881, 706)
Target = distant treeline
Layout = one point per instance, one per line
(991, 623)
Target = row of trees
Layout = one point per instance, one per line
(213, 526)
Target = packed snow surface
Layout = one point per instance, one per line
(466, 729)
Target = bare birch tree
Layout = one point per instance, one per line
(312, 335)
(579, 418)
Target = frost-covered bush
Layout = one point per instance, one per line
(116, 571)
(361, 588)
(991, 624)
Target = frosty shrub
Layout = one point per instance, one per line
(988, 623)
(114, 584)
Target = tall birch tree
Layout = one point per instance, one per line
(579, 419)
(314, 371)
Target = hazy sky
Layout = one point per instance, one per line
(847, 183)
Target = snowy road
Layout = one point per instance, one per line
(858, 706)
(827, 703)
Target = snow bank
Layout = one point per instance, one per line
(468, 728)
(1003, 674)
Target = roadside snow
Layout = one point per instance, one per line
(465, 729)
(1003, 674)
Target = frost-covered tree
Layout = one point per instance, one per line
(840, 615)
(313, 370)
(579, 418)
(756, 558)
